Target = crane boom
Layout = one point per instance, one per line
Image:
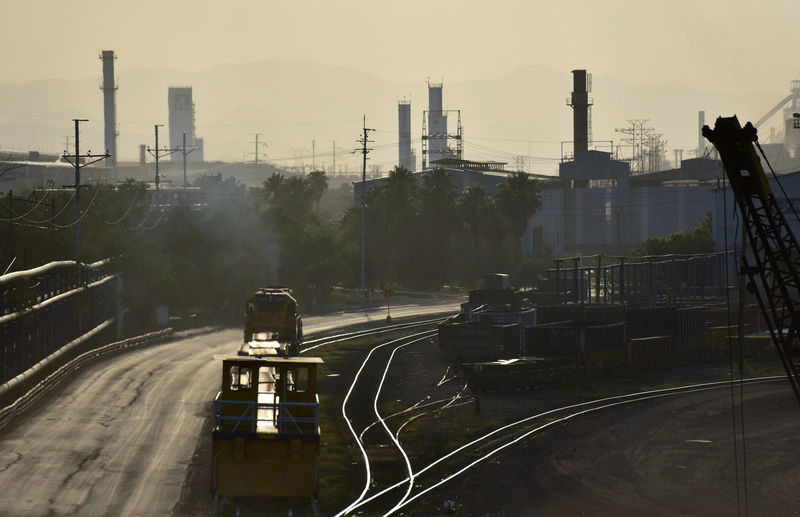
(773, 276)
(774, 110)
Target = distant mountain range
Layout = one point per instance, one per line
(292, 102)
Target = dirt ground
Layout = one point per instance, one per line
(636, 460)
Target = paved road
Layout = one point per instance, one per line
(117, 437)
(672, 457)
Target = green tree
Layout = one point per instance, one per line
(699, 239)
(439, 224)
(318, 184)
(289, 199)
(517, 199)
(473, 208)
(392, 227)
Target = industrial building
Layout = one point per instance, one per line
(598, 205)
(437, 142)
(182, 122)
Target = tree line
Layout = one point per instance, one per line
(206, 249)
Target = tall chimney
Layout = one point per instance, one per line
(110, 109)
(701, 142)
(580, 111)
(437, 124)
(404, 127)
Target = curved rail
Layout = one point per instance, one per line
(348, 421)
(328, 340)
(572, 411)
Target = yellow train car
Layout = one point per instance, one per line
(272, 323)
(265, 437)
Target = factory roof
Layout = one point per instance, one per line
(455, 163)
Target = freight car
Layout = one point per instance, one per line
(272, 323)
(518, 373)
(265, 435)
(566, 341)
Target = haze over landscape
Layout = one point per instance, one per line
(302, 72)
(226, 318)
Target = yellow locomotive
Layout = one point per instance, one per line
(265, 438)
(272, 323)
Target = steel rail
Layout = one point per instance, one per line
(386, 429)
(582, 407)
(419, 405)
(348, 421)
(327, 340)
(569, 417)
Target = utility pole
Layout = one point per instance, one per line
(157, 152)
(313, 155)
(364, 140)
(75, 160)
(185, 151)
(333, 172)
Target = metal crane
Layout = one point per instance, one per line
(794, 96)
(773, 276)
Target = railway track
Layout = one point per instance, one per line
(313, 344)
(376, 443)
(423, 481)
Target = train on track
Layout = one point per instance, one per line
(265, 436)
(503, 340)
(272, 321)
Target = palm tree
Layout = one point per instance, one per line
(273, 185)
(517, 199)
(474, 208)
(318, 184)
(401, 185)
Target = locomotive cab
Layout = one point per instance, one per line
(272, 323)
(265, 437)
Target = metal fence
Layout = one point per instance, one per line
(43, 309)
(656, 281)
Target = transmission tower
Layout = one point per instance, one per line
(635, 138)
(256, 152)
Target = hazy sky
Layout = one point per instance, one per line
(735, 47)
(732, 45)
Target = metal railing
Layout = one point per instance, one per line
(281, 419)
(43, 309)
(653, 281)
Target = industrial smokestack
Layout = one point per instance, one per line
(437, 130)
(701, 142)
(580, 111)
(404, 127)
(110, 110)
